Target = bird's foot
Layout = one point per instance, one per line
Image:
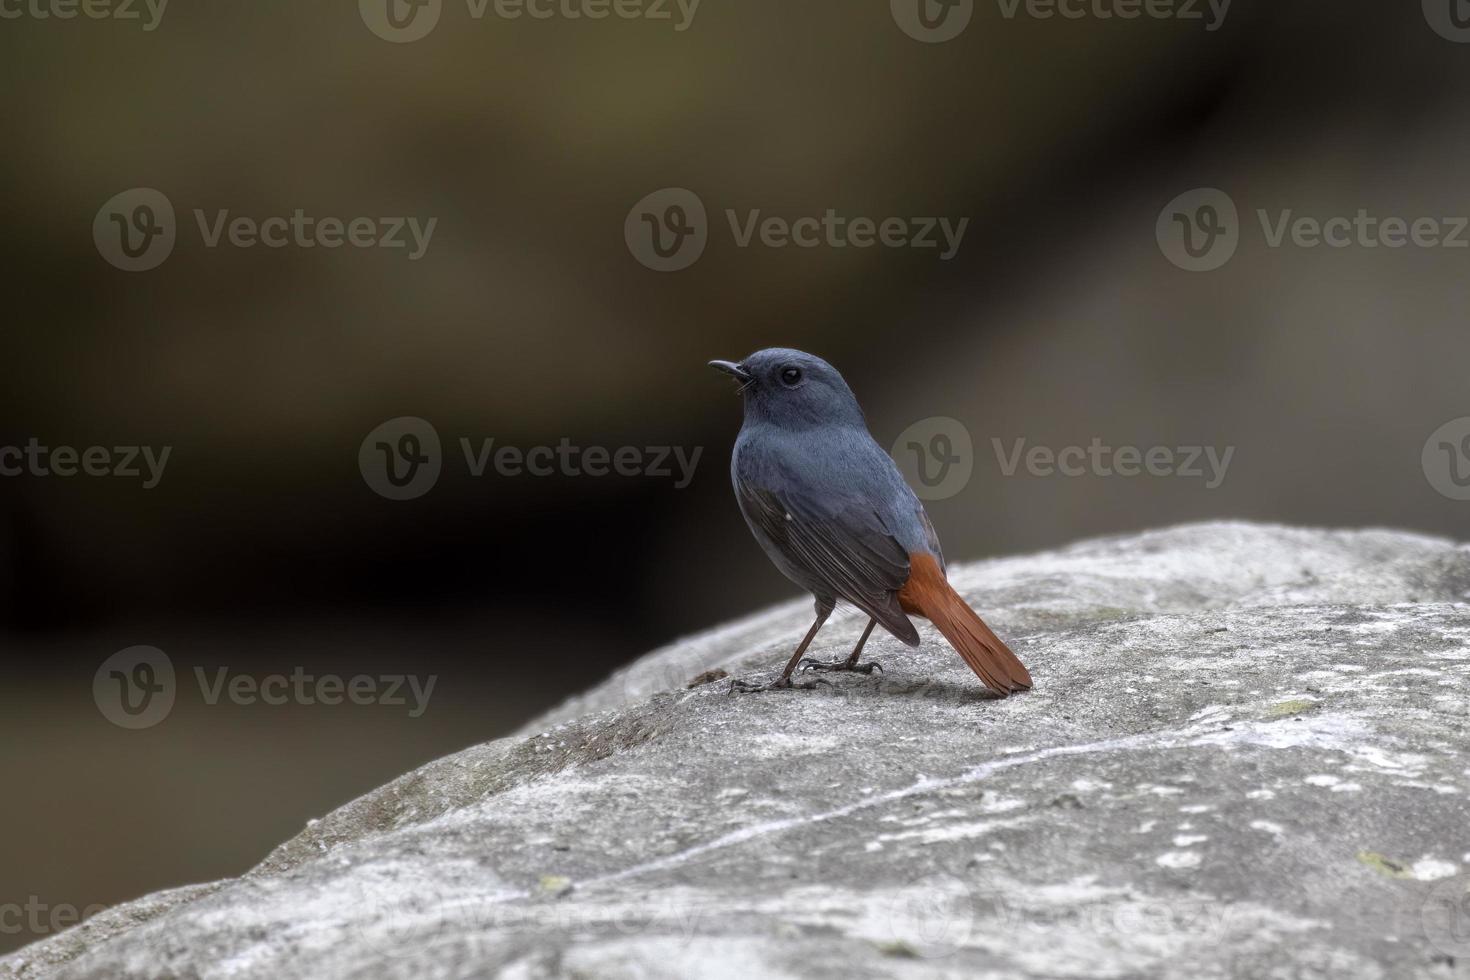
(785, 683)
(833, 666)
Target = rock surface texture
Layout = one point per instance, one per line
(1246, 755)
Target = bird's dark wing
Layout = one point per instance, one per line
(842, 543)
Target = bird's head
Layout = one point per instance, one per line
(792, 389)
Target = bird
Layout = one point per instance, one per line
(832, 511)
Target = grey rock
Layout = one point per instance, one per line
(1246, 756)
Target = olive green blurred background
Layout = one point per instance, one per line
(529, 321)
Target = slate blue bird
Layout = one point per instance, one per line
(833, 513)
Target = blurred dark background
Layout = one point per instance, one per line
(529, 320)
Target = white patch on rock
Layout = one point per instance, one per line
(1407, 763)
(953, 831)
(1178, 860)
(1432, 869)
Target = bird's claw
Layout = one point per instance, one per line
(833, 666)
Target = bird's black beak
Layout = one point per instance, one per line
(732, 369)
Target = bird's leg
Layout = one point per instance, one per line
(851, 663)
(785, 681)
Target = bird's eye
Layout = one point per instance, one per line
(790, 376)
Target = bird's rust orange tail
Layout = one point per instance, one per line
(927, 594)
